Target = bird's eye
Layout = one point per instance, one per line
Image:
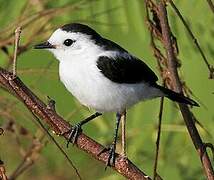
(68, 42)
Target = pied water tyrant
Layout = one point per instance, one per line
(102, 75)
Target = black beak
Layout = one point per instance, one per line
(44, 45)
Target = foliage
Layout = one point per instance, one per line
(123, 22)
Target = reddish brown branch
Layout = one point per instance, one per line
(2, 171)
(186, 113)
(16, 87)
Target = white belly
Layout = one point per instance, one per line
(93, 90)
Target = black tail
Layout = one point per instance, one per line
(176, 96)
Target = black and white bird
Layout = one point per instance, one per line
(102, 75)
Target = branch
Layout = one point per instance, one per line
(17, 39)
(186, 113)
(2, 171)
(210, 3)
(155, 174)
(29, 158)
(16, 87)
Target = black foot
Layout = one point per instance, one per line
(74, 133)
(112, 155)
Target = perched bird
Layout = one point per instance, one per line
(102, 75)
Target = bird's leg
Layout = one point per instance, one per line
(76, 129)
(123, 127)
(112, 148)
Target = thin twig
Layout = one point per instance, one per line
(210, 68)
(51, 105)
(158, 138)
(61, 127)
(17, 38)
(1, 131)
(29, 158)
(197, 141)
(210, 3)
(2, 171)
(57, 144)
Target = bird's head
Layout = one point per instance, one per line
(72, 40)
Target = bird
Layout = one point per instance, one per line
(103, 76)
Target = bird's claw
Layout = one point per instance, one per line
(112, 155)
(74, 133)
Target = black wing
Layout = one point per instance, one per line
(126, 69)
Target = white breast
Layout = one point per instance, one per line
(84, 80)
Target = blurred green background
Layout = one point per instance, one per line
(122, 21)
